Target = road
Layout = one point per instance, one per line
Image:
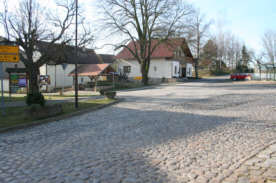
(189, 132)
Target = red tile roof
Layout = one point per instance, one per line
(90, 69)
(164, 50)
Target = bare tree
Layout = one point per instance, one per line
(258, 61)
(229, 49)
(198, 29)
(141, 22)
(32, 26)
(269, 44)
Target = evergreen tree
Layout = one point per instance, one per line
(209, 55)
(245, 56)
(242, 65)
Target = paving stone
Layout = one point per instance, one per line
(189, 132)
(243, 180)
(270, 173)
(129, 180)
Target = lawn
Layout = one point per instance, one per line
(15, 98)
(16, 115)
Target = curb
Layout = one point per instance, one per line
(140, 88)
(58, 118)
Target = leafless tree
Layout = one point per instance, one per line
(198, 32)
(141, 22)
(32, 26)
(258, 61)
(229, 49)
(269, 45)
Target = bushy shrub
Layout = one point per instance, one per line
(219, 72)
(243, 69)
(36, 98)
(110, 94)
(102, 91)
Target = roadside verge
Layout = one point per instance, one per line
(59, 117)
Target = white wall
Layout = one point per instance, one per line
(158, 68)
(189, 70)
(263, 76)
(5, 85)
(62, 78)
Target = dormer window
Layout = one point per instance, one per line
(179, 53)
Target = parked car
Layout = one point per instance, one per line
(240, 76)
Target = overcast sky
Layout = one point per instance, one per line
(247, 19)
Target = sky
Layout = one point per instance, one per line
(246, 19)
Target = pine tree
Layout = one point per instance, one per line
(245, 56)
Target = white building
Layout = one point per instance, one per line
(172, 59)
(60, 72)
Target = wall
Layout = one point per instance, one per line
(62, 78)
(6, 85)
(158, 68)
(11, 65)
(189, 70)
(263, 76)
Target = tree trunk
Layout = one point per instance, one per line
(196, 68)
(260, 72)
(33, 72)
(144, 71)
(145, 78)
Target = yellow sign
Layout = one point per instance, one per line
(138, 78)
(9, 53)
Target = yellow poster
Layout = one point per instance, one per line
(138, 78)
(9, 53)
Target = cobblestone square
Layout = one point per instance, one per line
(199, 132)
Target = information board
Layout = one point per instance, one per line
(9, 53)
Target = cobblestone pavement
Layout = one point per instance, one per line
(191, 132)
(258, 169)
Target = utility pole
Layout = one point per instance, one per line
(76, 56)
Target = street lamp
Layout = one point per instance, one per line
(76, 55)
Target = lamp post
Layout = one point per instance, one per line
(76, 56)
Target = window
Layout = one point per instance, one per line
(179, 52)
(127, 69)
(155, 68)
(175, 70)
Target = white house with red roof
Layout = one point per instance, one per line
(171, 59)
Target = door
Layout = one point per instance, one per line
(183, 72)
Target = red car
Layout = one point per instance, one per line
(240, 76)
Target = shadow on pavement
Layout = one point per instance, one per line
(113, 148)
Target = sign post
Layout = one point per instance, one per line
(2, 88)
(7, 54)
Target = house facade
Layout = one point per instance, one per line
(60, 73)
(171, 59)
(59, 70)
